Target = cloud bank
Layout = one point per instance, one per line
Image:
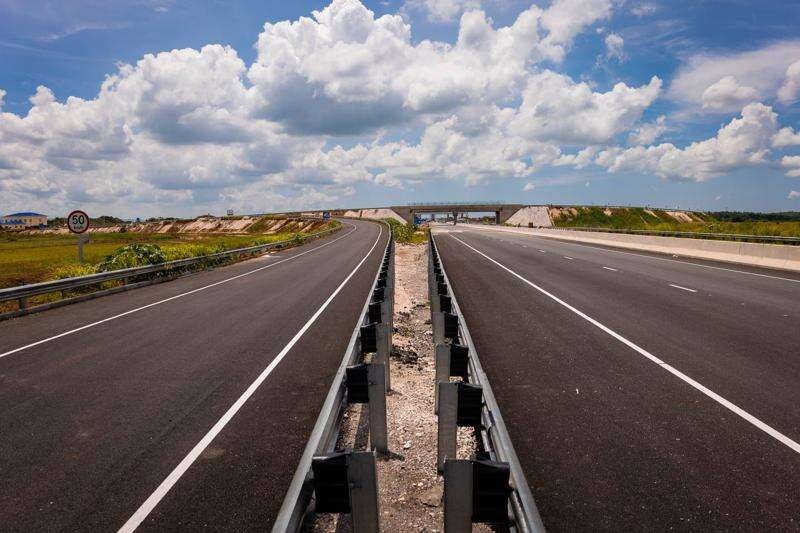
(344, 98)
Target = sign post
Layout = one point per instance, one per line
(78, 222)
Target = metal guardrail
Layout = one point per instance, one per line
(23, 292)
(326, 429)
(763, 239)
(494, 435)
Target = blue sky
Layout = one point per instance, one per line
(371, 114)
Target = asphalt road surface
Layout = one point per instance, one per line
(641, 393)
(184, 405)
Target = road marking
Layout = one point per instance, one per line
(543, 251)
(151, 502)
(567, 257)
(165, 300)
(682, 288)
(769, 430)
(611, 269)
(600, 248)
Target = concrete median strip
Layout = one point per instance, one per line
(165, 300)
(669, 368)
(153, 500)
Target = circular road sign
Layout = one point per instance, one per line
(78, 222)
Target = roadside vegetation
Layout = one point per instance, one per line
(26, 258)
(407, 233)
(639, 218)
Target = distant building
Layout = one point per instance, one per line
(23, 220)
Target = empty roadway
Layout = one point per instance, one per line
(641, 393)
(95, 421)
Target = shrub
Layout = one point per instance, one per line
(132, 255)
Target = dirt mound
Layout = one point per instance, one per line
(207, 224)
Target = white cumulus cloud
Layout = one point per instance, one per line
(762, 71)
(744, 141)
(614, 46)
(790, 89)
(727, 93)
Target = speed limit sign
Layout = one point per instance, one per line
(78, 222)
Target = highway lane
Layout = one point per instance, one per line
(94, 422)
(609, 438)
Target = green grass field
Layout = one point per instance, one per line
(34, 258)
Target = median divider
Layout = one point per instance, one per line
(490, 487)
(328, 480)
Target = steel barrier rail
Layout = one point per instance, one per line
(23, 292)
(494, 434)
(765, 239)
(326, 429)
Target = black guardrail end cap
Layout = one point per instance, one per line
(490, 492)
(331, 484)
(441, 288)
(374, 312)
(357, 383)
(369, 338)
(470, 404)
(451, 327)
(459, 360)
(445, 303)
(378, 294)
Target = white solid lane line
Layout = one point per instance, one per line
(611, 269)
(165, 486)
(682, 288)
(766, 428)
(165, 300)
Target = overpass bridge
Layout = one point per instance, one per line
(502, 211)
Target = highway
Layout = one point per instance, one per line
(183, 405)
(641, 392)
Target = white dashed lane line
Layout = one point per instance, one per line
(682, 288)
(567, 257)
(611, 269)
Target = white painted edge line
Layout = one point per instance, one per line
(602, 249)
(165, 300)
(611, 269)
(682, 288)
(772, 432)
(151, 502)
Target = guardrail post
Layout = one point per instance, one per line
(363, 480)
(460, 404)
(437, 325)
(366, 384)
(23, 303)
(475, 492)
(448, 429)
(457, 496)
(442, 371)
(346, 483)
(378, 436)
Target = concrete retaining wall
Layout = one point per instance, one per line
(746, 253)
